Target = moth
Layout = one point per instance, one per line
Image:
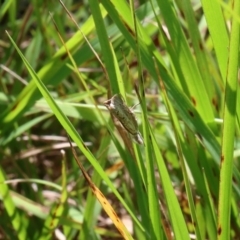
(118, 108)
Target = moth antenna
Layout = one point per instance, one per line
(134, 106)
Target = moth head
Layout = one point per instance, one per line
(107, 103)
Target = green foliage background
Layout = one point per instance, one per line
(179, 60)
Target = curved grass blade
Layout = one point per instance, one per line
(73, 133)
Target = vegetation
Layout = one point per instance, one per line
(59, 64)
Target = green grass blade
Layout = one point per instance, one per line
(16, 220)
(49, 74)
(200, 51)
(58, 210)
(184, 63)
(187, 111)
(217, 27)
(178, 223)
(72, 131)
(229, 117)
(22, 129)
(105, 46)
(180, 146)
